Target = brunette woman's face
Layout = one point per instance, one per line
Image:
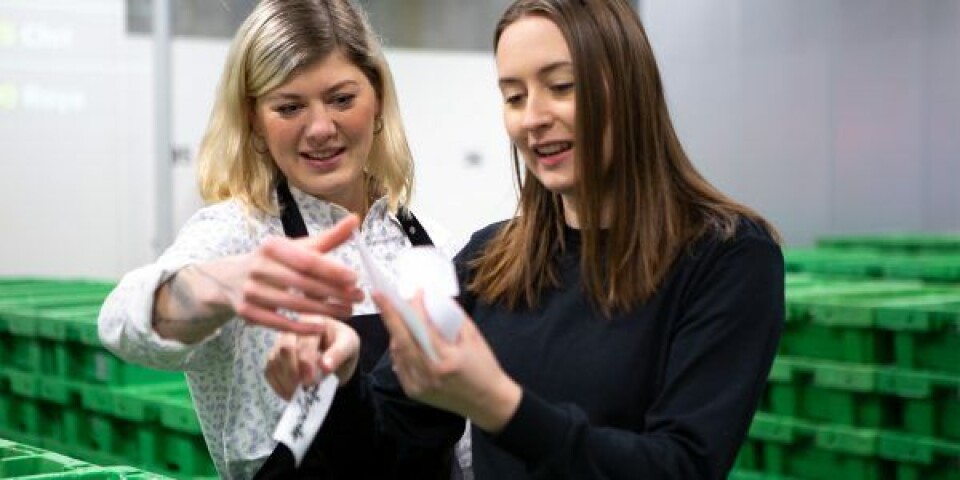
(536, 78)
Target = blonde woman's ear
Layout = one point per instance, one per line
(253, 118)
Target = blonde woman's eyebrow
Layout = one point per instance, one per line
(296, 96)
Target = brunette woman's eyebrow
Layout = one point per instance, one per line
(554, 67)
(544, 71)
(507, 81)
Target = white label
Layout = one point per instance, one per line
(304, 415)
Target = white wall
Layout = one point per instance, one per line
(74, 139)
(830, 117)
(76, 143)
(451, 108)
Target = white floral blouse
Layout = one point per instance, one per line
(236, 406)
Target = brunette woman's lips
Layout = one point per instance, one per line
(553, 153)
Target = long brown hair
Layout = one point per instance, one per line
(656, 201)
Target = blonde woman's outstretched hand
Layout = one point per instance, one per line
(273, 285)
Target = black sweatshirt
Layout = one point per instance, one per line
(666, 390)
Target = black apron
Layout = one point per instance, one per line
(373, 335)
(373, 344)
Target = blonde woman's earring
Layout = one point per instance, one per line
(259, 144)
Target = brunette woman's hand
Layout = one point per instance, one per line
(466, 378)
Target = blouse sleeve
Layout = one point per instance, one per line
(125, 320)
(722, 347)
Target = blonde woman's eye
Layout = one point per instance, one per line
(343, 101)
(287, 109)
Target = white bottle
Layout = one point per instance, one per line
(445, 313)
(426, 269)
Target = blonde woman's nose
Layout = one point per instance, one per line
(321, 126)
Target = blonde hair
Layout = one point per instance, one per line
(279, 39)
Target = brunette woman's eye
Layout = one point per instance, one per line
(513, 100)
(562, 87)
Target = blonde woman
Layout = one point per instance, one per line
(305, 140)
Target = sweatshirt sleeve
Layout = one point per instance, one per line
(125, 320)
(722, 346)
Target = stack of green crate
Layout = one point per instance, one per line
(24, 462)
(922, 244)
(931, 258)
(61, 390)
(866, 384)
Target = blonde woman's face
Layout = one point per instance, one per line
(319, 128)
(536, 78)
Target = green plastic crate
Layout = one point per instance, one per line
(183, 455)
(53, 300)
(797, 280)
(749, 457)
(800, 298)
(911, 243)
(7, 296)
(870, 264)
(928, 335)
(841, 321)
(21, 418)
(863, 264)
(865, 396)
(22, 461)
(19, 326)
(863, 310)
(102, 473)
(6, 282)
(103, 440)
(917, 330)
(63, 341)
(171, 440)
(930, 268)
(28, 462)
(144, 403)
(149, 446)
(791, 449)
(24, 353)
(39, 418)
(820, 452)
(755, 475)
